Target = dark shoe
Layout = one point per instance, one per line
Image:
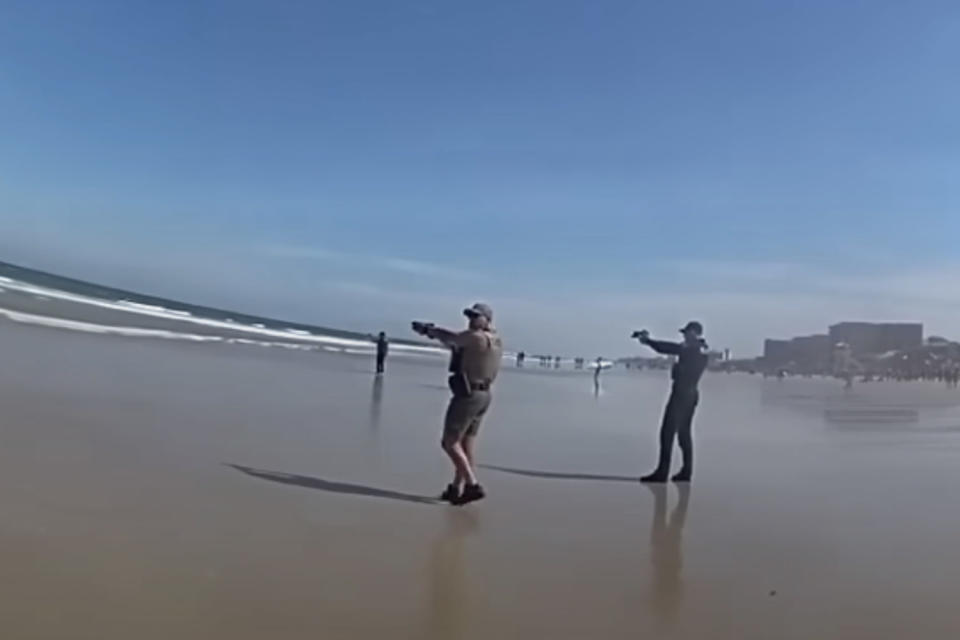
(471, 493)
(683, 476)
(655, 477)
(451, 494)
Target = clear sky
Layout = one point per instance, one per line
(588, 167)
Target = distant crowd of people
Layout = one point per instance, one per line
(948, 375)
(554, 362)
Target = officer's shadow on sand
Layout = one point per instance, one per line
(310, 482)
(554, 475)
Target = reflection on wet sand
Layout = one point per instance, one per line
(666, 552)
(448, 598)
(376, 403)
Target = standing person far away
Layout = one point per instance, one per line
(383, 347)
(684, 397)
(475, 362)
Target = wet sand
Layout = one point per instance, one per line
(815, 513)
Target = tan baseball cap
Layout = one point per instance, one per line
(480, 309)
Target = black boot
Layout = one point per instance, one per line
(471, 493)
(451, 494)
(684, 475)
(655, 477)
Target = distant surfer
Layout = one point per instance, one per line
(598, 367)
(684, 397)
(475, 362)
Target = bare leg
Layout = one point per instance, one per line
(463, 472)
(469, 446)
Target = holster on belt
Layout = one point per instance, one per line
(460, 385)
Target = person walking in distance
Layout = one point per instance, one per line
(475, 362)
(383, 347)
(684, 397)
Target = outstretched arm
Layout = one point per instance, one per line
(447, 337)
(662, 346)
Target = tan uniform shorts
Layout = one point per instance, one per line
(465, 414)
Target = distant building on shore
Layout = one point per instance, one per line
(815, 353)
(803, 354)
(874, 338)
(776, 352)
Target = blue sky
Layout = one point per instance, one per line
(587, 167)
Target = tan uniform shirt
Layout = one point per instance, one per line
(482, 354)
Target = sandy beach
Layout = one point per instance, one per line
(156, 489)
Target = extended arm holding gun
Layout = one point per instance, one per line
(447, 337)
(660, 346)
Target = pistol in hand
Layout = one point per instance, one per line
(422, 328)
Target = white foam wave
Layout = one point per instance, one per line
(139, 332)
(154, 308)
(102, 329)
(181, 316)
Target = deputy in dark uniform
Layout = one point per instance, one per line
(684, 397)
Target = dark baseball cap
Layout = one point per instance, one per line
(694, 327)
(480, 309)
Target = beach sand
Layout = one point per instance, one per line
(815, 513)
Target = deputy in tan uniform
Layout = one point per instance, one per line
(474, 364)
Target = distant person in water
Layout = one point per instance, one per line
(474, 365)
(556, 362)
(520, 358)
(383, 347)
(684, 397)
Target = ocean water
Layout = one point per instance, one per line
(129, 312)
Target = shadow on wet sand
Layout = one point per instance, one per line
(553, 475)
(310, 482)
